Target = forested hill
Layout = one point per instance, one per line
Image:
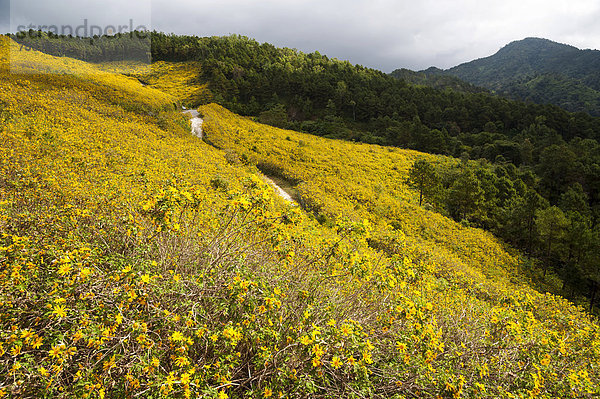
(435, 78)
(329, 97)
(541, 71)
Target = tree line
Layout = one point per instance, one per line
(134, 46)
(564, 236)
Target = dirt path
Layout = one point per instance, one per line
(196, 122)
(280, 191)
(197, 131)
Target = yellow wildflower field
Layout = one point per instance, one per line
(137, 260)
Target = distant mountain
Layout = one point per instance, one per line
(538, 70)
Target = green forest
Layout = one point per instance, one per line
(536, 70)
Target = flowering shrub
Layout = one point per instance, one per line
(125, 272)
(178, 79)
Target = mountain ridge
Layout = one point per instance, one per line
(571, 75)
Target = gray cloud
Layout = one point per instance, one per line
(68, 15)
(4, 16)
(388, 34)
(384, 34)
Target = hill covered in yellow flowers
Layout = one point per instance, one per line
(137, 260)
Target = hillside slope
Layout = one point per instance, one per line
(541, 71)
(138, 261)
(466, 267)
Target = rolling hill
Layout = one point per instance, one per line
(139, 260)
(540, 71)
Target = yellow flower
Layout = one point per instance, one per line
(305, 340)
(145, 278)
(78, 335)
(185, 378)
(481, 387)
(232, 334)
(318, 351)
(268, 392)
(170, 379)
(177, 336)
(26, 334)
(545, 361)
(315, 332)
(346, 329)
(64, 269)
(110, 363)
(222, 395)
(85, 273)
(16, 350)
(37, 342)
(132, 295)
(55, 351)
(146, 207)
(336, 362)
(59, 311)
(401, 346)
(182, 361)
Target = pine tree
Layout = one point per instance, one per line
(423, 177)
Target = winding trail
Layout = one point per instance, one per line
(278, 190)
(196, 122)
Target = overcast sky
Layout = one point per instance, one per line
(383, 34)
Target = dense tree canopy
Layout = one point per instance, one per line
(536, 70)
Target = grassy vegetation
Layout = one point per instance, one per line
(138, 261)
